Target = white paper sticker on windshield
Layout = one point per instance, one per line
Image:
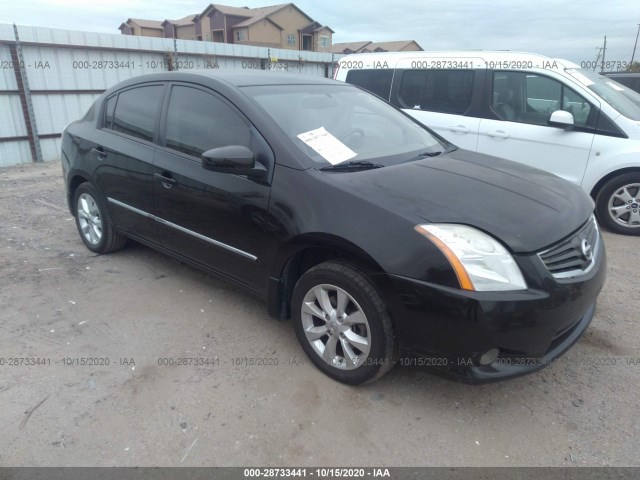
(581, 78)
(328, 146)
(615, 86)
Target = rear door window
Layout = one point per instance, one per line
(377, 81)
(136, 111)
(445, 91)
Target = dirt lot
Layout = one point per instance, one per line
(59, 301)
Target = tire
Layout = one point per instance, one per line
(618, 204)
(93, 223)
(369, 340)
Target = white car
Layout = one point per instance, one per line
(543, 112)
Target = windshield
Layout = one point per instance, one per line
(624, 100)
(339, 124)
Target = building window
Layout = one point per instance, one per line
(217, 36)
(307, 42)
(291, 39)
(241, 35)
(325, 41)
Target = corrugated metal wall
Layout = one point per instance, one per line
(67, 70)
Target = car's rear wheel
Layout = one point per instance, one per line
(93, 223)
(618, 204)
(343, 324)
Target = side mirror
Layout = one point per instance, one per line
(234, 159)
(561, 119)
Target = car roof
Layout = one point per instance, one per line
(241, 78)
(237, 78)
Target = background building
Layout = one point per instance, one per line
(183, 28)
(277, 26)
(368, 47)
(145, 28)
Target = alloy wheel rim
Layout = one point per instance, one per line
(89, 219)
(624, 206)
(336, 327)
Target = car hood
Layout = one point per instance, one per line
(527, 209)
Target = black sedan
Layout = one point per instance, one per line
(382, 241)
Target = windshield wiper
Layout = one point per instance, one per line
(429, 154)
(449, 149)
(353, 165)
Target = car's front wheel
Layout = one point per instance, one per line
(618, 204)
(93, 223)
(343, 324)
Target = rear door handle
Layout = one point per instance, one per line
(459, 129)
(167, 182)
(498, 134)
(100, 153)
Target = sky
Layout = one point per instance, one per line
(561, 29)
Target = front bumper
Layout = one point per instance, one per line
(447, 330)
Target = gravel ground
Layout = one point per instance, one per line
(60, 301)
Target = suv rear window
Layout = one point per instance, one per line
(631, 80)
(446, 91)
(376, 81)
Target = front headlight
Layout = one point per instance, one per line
(480, 262)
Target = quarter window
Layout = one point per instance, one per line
(530, 98)
(136, 111)
(577, 106)
(446, 91)
(198, 121)
(109, 110)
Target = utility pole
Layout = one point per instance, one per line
(175, 51)
(22, 80)
(635, 45)
(595, 64)
(604, 51)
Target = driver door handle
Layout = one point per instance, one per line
(498, 134)
(459, 129)
(99, 152)
(167, 181)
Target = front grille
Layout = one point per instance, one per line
(571, 257)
